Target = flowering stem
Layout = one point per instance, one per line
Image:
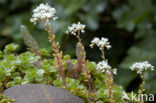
(86, 68)
(142, 88)
(57, 54)
(78, 36)
(84, 61)
(88, 76)
(108, 80)
(109, 84)
(103, 54)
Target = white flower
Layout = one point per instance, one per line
(140, 67)
(105, 67)
(100, 43)
(102, 65)
(43, 12)
(94, 41)
(114, 71)
(75, 28)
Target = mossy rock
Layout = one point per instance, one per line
(36, 93)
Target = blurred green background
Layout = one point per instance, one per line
(130, 26)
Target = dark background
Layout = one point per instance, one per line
(130, 26)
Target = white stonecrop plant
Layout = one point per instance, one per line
(43, 12)
(76, 28)
(100, 43)
(141, 67)
(103, 65)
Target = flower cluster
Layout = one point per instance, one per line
(100, 43)
(105, 67)
(76, 28)
(43, 12)
(140, 67)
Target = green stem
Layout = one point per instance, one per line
(103, 54)
(142, 88)
(78, 36)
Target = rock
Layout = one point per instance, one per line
(34, 93)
